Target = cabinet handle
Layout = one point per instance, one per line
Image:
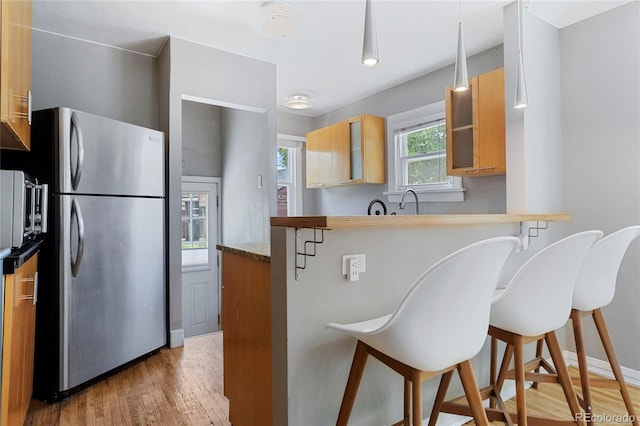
(33, 296)
(27, 114)
(486, 168)
(29, 108)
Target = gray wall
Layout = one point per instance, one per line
(483, 195)
(601, 139)
(94, 78)
(216, 77)
(246, 154)
(201, 140)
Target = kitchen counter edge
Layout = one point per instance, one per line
(337, 222)
(20, 255)
(256, 251)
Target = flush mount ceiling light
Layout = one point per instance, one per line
(277, 19)
(460, 77)
(298, 101)
(370, 56)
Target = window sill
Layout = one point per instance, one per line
(453, 195)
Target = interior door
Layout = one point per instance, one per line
(200, 270)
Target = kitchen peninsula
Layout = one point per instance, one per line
(311, 363)
(282, 366)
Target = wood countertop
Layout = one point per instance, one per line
(256, 251)
(344, 222)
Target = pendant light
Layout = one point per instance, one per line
(460, 78)
(521, 100)
(370, 56)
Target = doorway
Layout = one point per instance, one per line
(200, 262)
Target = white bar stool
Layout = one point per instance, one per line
(438, 326)
(594, 289)
(535, 303)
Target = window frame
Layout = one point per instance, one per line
(294, 187)
(449, 192)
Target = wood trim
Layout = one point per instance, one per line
(344, 222)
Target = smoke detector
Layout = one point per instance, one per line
(277, 19)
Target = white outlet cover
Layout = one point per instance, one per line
(362, 258)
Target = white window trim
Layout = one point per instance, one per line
(411, 118)
(297, 142)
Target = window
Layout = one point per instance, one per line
(288, 169)
(418, 156)
(195, 235)
(422, 156)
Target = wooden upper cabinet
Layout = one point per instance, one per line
(15, 74)
(346, 153)
(476, 127)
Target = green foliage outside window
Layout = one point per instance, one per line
(430, 141)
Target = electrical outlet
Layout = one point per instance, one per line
(353, 265)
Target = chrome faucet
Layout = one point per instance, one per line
(377, 212)
(404, 194)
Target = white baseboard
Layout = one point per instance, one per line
(602, 368)
(176, 338)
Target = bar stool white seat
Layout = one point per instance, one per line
(594, 289)
(438, 326)
(535, 302)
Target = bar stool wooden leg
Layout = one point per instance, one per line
(440, 396)
(470, 387)
(407, 401)
(613, 361)
(563, 376)
(576, 322)
(416, 397)
(492, 368)
(539, 347)
(353, 382)
(518, 358)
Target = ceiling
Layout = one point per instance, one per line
(323, 58)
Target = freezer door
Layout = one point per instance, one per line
(102, 156)
(112, 296)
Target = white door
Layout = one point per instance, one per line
(200, 276)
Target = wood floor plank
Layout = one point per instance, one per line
(181, 386)
(184, 387)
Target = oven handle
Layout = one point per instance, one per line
(44, 207)
(75, 264)
(75, 177)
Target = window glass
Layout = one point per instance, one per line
(195, 238)
(421, 155)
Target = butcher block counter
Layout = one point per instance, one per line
(246, 325)
(338, 222)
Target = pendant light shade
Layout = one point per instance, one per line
(521, 100)
(461, 78)
(370, 43)
(521, 87)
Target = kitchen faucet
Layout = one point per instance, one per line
(404, 194)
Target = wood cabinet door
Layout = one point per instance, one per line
(340, 153)
(246, 312)
(18, 342)
(373, 149)
(15, 74)
(312, 159)
(490, 147)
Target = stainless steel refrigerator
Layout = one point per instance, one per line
(102, 295)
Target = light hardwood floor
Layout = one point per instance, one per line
(184, 386)
(181, 386)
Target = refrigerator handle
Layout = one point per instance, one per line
(75, 264)
(75, 177)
